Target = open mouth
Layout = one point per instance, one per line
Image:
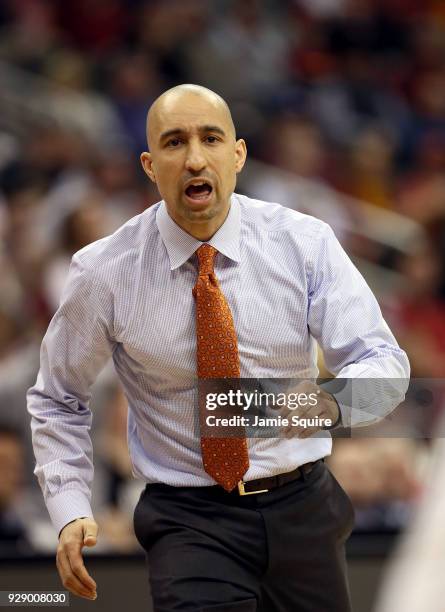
(199, 193)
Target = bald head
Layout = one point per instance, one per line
(172, 99)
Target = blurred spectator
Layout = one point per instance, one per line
(29, 33)
(135, 84)
(19, 362)
(243, 53)
(322, 9)
(418, 313)
(73, 103)
(422, 197)
(295, 145)
(124, 189)
(345, 102)
(113, 447)
(163, 30)
(85, 224)
(13, 536)
(95, 26)
(371, 174)
(22, 246)
(381, 476)
(121, 489)
(427, 118)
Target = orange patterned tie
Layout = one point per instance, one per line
(225, 459)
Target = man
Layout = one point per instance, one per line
(248, 302)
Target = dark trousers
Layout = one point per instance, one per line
(281, 551)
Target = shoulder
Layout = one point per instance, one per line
(122, 248)
(271, 217)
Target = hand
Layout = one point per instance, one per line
(325, 408)
(73, 537)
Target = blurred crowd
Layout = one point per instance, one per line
(342, 101)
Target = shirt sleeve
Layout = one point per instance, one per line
(75, 348)
(345, 318)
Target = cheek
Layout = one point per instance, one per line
(228, 171)
(166, 180)
(230, 178)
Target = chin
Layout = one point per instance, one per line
(201, 215)
(208, 211)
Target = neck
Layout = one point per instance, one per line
(203, 233)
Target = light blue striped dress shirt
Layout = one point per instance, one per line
(129, 296)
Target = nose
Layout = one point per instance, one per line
(196, 160)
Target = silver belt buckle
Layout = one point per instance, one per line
(242, 491)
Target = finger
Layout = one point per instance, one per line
(289, 431)
(78, 568)
(322, 410)
(312, 411)
(69, 580)
(90, 533)
(305, 431)
(302, 432)
(300, 427)
(308, 432)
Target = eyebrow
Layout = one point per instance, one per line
(201, 128)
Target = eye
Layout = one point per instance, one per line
(211, 139)
(173, 143)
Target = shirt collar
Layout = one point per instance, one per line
(180, 245)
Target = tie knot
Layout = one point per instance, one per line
(206, 258)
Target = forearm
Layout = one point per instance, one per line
(373, 387)
(63, 452)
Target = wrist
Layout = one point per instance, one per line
(73, 521)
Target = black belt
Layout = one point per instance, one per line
(262, 485)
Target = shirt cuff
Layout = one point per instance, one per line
(66, 507)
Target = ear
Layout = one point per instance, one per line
(240, 154)
(147, 165)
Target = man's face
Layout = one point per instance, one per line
(194, 159)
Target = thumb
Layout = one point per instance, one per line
(90, 532)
